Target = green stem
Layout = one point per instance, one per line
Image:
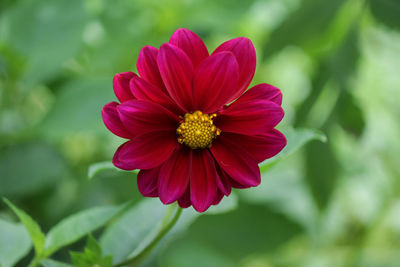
(166, 225)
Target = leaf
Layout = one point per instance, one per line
(47, 36)
(296, 138)
(53, 263)
(100, 167)
(386, 12)
(92, 255)
(29, 167)
(14, 243)
(299, 29)
(77, 226)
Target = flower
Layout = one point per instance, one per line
(189, 143)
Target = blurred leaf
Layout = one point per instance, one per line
(299, 29)
(81, 99)
(28, 168)
(386, 12)
(47, 35)
(296, 138)
(14, 243)
(100, 167)
(351, 116)
(33, 228)
(92, 255)
(53, 263)
(78, 225)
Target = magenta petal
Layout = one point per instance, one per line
(203, 184)
(177, 73)
(191, 44)
(215, 81)
(218, 197)
(250, 118)
(236, 162)
(174, 175)
(147, 67)
(147, 181)
(113, 122)
(184, 200)
(223, 181)
(141, 117)
(245, 54)
(262, 92)
(146, 151)
(121, 86)
(143, 90)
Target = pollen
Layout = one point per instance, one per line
(197, 130)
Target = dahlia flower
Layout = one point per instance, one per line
(194, 131)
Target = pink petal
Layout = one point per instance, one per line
(177, 73)
(259, 147)
(223, 181)
(218, 198)
(245, 54)
(191, 44)
(250, 117)
(113, 122)
(147, 181)
(147, 67)
(203, 184)
(146, 151)
(143, 90)
(262, 92)
(215, 81)
(184, 200)
(236, 162)
(174, 175)
(121, 86)
(141, 117)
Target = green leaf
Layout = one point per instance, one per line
(14, 243)
(47, 36)
(100, 167)
(92, 255)
(78, 225)
(53, 263)
(386, 12)
(33, 228)
(30, 167)
(296, 138)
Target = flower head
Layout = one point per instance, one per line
(189, 143)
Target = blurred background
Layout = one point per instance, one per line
(337, 63)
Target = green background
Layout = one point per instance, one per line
(337, 62)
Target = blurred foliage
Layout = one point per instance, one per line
(334, 203)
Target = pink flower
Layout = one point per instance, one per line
(189, 144)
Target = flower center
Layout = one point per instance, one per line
(197, 130)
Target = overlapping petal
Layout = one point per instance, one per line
(177, 74)
(262, 92)
(141, 117)
(147, 67)
(146, 151)
(174, 175)
(121, 86)
(147, 181)
(223, 181)
(245, 54)
(113, 122)
(191, 44)
(215, 82)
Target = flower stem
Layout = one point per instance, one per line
(166, 225)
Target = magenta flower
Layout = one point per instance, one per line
(189, 144)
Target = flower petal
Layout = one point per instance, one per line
(147, 66)
(143, 90)
(203, 184)
(236, 162)
(262, 92)
(191, 44)
(113, 122)
(147, 181)
(177, 73)
(146, 151)
(223, 181)
(259, 147)
(184, 200)
(250, 117)
(245, 54)
(174, 175)
(218, 197)
(215, 81)
(121, 86)
(141, 117)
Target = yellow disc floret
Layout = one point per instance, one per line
(197, 130)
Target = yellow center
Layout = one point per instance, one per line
(197, 130)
